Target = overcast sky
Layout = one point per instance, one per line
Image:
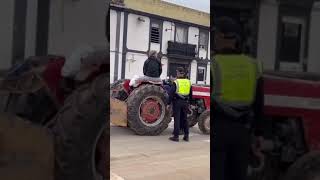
(202, 5)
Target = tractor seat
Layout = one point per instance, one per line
(136, 81)
(145, 79)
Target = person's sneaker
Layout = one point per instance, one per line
(186, 138)
(173, 138)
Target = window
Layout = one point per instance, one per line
(181, 34)
(203, 40)
(155, 33)
(290, 42)
(201, 74)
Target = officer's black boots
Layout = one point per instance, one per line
(186, 138)
(174, 138)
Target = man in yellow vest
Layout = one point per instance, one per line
(237, 100)
(179, 95)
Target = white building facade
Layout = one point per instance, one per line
(41, 27)
(289, 36)
(134, 33)
(283, 34)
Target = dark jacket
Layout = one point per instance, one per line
(152, 67)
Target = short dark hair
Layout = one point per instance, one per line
(181, 70)
(231, 30)
(227, 25)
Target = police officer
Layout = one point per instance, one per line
(237, 100)
(179, 95)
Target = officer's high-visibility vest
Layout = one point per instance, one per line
(183, 87)
(235, 78)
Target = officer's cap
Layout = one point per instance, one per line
(227, 25)
(181, 70)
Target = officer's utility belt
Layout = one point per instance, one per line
(244, 117)
(181, 97)
(237, 114)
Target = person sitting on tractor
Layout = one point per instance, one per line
(82, 65)
(152, 68)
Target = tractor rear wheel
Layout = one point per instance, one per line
(79, 129)
(270, 170)
(147, 112)
(306, 168)
(192, 116)
(204, 122)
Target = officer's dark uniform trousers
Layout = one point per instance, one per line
(231, 145)
(231, 150)
(180, 116)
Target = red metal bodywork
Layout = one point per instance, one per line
(202, 92)
(198, 92)
(298, 89)
(52, 77)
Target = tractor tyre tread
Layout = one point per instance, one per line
(201, 121)
(76, 128)
(306, 168)
(192, 120)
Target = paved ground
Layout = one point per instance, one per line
(156, 158)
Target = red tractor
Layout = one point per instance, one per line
(39, 118)
(291, 150)
(143, 108)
